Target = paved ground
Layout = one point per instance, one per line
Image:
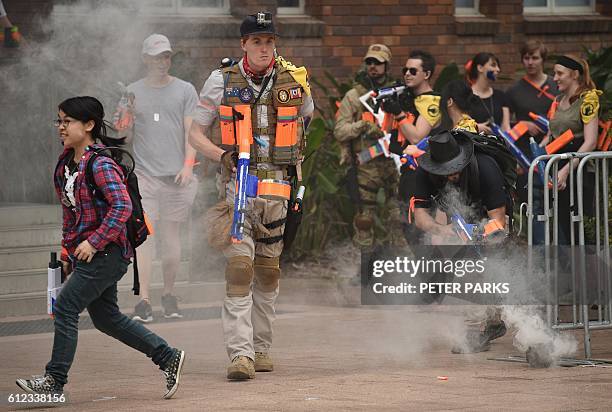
(327, 358)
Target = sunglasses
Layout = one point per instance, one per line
(413, 70)
(372, 61)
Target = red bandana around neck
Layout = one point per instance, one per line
(256, 77)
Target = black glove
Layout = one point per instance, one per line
(229, 160)
(391, 106)
(394, 144)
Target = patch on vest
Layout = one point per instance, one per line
(433, 110)
(246, 95)
(295, 93)
(283, 96)
(232, 92)
(587, 109)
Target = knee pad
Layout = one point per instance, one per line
(363, 222)
(238, 276)
(267, 273)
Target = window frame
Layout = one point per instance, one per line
(552, 9)
(175, 9)
(468, 11)
(292, 11)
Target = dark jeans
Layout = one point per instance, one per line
(94, 286)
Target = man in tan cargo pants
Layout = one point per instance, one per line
(267, 84)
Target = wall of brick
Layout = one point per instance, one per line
(333, 36)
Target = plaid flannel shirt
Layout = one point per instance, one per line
(98, 221)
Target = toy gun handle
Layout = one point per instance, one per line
(297, 203)
(541, 121)
(410, 158)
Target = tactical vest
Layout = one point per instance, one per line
(285, 93)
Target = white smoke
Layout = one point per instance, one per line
(532, 333)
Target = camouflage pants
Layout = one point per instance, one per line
(378, 221)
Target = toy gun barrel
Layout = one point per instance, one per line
(541, 121)
(246, 185)
(464, 230)
(522, 159)
(386, 92)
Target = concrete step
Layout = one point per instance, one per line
(22, 258)
(29, 214)
(22, 236)
(35, 303)
(35, 280)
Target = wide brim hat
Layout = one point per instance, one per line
(448, 153)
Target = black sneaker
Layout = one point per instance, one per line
(170, 305)
(40, 384)
(143, 312)
(172, 373)
(475, 341)
(495, 330)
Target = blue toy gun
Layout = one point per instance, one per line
(411, 158)
(541, 121)
(522, 159)
(246, 184)
(475, 233)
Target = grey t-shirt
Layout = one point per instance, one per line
(159, 125)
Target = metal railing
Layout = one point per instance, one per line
(580, 260)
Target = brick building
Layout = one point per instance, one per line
(322, 34)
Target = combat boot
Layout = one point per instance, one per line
(241, 368)
(263, 362)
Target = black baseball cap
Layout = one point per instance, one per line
(260, 23)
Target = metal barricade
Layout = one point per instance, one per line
(577, 245)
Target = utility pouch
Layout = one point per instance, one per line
(286, 148)
(294, 220)
(226, 122)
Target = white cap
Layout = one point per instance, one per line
(156, 44)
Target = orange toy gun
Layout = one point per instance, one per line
(123, 118)
(550, 148)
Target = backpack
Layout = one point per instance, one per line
(495, 147)
(136, 225)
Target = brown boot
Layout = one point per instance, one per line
(263, 362)
(240, 369)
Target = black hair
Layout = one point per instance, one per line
(86, 108)
(480, 60)
(462, 96)
(429, 63)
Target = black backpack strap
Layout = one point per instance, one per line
(136, 285)
(474, 180)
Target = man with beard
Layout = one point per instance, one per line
(451, 172)
(356, 130)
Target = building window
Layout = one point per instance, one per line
(467, 8)
(289, 7)
(559, 6)
(151, 7)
